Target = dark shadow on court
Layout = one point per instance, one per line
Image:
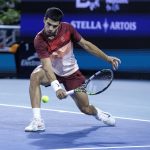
(80, 138)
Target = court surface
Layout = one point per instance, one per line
(67, 128)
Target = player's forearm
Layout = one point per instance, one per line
(50, 75)
(96, 51)
(47, 67)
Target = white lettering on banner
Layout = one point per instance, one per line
(111, 5)
(123, 26)
(92, 25)
(112, 26)
(88, 3)
(26, 63)
(30, 61)
(80, 4)
(117, 1)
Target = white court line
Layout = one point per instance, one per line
(105, 148)
(64, 111)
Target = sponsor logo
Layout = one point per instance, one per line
(117, 1)
(111, 5)
(92, 4)
(114, 5)
(31, 61)
(105, 25)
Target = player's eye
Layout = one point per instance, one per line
(54, 26)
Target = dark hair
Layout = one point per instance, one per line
(54, 13)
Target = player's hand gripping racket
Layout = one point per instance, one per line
(96, 84)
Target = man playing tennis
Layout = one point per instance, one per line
(54, 46)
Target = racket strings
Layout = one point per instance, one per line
(99, 82)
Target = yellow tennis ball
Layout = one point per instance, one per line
(45, 99)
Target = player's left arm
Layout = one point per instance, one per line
(91, 48)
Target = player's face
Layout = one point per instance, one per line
(50, 27)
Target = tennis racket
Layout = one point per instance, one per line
(96, 84)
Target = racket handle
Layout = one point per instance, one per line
(70, 92)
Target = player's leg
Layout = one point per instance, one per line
(82, 102)
(81, 99)
(37, 78)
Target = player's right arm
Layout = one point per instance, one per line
(47, 67)
(41, 49)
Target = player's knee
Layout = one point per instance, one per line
(35, 78)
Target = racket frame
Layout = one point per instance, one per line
(83, 87)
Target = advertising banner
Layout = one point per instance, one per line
(27, 60)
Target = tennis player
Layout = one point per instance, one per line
(54, 46)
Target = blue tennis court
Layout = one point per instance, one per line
(62, 30)
(67, 128)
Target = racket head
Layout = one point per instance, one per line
(99, 82)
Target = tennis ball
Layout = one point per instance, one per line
(45, 99)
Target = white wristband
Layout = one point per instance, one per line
(55, 85)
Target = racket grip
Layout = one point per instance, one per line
(70, 92)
